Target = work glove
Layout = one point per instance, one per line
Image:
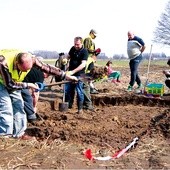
(40, 86)
(69, 73)
(97, 51)
(64, 61)
(73, 78)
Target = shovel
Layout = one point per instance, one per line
(63, 107)
(147, 76)
(149, 62)
(42, 86)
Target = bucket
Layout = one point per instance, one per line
(155, 89)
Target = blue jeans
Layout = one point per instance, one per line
(12, 115)
(70, 92)
(134, 64)
(28, 104)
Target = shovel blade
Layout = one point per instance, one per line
(63, 107)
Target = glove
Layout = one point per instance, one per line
(64, 61)
(73, 78)
(69, 73)
(40, 85)
(97, 51)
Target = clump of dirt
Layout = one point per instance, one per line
(97, 72)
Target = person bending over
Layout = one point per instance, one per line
(13, 69)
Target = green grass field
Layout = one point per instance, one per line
(118, 63)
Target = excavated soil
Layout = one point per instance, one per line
(119, 117)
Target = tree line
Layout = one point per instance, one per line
(55, 55)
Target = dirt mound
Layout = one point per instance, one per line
(115, 121)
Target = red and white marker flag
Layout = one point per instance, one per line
(118, 154)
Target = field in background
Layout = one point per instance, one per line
(118, 63)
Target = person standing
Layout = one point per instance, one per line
(77, 61)
(135, 48)
(92, 56)
(13, 69)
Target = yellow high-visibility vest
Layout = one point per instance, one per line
(10, 57)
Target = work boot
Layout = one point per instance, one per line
(129, 89)
(139, 89)
(39, 117)
(140, 86)
(82, 115)
(80, 111)
(89, 108)
(34, 119)
(93, 91)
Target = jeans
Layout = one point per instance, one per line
(28, 104)
(12, 115)
(70, 92)
(134, 64)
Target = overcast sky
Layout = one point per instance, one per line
(53, 24)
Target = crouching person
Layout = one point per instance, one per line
(112, 74)
(13, 69)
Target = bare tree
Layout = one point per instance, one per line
(162, 31)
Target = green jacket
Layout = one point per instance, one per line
(90, 46)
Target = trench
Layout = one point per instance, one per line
(117, 119)
(130, 99)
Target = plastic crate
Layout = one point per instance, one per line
(155, 89)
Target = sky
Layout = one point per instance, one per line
(53, 24)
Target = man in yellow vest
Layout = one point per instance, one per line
(14, 66)
(92, 53)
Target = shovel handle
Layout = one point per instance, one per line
(42, 85)
(58, 83)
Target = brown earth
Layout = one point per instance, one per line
(119, 117)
